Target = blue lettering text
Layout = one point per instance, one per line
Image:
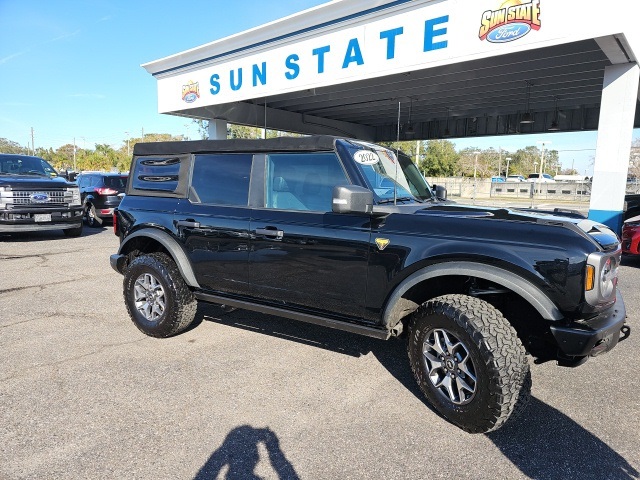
(391, 35)
(260, 74)
(354, 54)
(430, 32)
(320, 53)
(215, 84)
(236, 86)
(291, 64)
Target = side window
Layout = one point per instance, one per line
(221, 179)
(156, 174)
(302, 181)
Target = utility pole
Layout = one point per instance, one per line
(127, 134)
(74, 154)
(475, 174)
(33, 149)
(539, 179)
(142, 137)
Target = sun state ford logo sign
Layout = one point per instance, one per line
(39, 197)
(191, 92)
(513, 20)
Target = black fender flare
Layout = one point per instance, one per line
(527, 290)
(172, 246)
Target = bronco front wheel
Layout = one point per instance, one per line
(469, 362)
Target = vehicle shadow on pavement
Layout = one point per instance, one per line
(239, 456)
(630, 261)
(545, 444)
(45, 236)
(392, 353)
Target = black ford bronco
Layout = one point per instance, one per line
(349, 235)
(33, 197)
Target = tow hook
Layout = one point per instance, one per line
(625, 331)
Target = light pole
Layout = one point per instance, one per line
(475, 176)
(508, 159)
(127, 134)
(543, 143)
(539, 179)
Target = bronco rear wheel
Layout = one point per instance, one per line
(469, 362)
(157, 298)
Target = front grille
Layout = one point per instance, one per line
(22, 198)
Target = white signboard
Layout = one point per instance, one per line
(419, 35)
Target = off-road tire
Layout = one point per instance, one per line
(179, 303)
(503, 380)
(91, 217)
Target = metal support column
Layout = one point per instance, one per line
(217, 129)
(615, 130)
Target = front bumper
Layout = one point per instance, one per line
(118, 262)
(22, 220)
(595, 336)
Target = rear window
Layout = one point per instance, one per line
(221, 179)
(156, 174)
(117, 183)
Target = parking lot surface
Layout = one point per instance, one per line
(84, 394)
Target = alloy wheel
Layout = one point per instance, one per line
(449, 366)
(149, 297)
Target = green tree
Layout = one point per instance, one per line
(482, 163)
(440, 159)
(528, 160)
(9, 146)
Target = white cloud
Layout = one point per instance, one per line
(12, 56)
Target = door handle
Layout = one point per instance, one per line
(271, 232)
(188, 224)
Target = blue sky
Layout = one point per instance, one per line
(72, 69)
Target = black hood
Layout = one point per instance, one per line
(597, 232)
(33, 181)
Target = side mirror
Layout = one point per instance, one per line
(352, 199)
(72, 176)
(440, 192)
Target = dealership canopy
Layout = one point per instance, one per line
(425, 69)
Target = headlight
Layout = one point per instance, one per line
(5, 198)
(601, 278)
(72, 195)
(608, 278)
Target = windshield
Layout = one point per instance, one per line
(390, 176)
(24, 165)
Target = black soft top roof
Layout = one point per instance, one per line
(280, 144)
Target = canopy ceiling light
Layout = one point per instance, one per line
(409, 130)
(528, 117)
(447, 133)
(555, 124)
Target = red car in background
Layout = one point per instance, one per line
(631, 236)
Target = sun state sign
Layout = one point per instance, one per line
(513, 20)
(422, 35)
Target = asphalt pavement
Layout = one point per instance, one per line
(85, 395)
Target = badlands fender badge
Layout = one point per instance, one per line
(382, 243)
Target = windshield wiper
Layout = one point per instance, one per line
(399, 199)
